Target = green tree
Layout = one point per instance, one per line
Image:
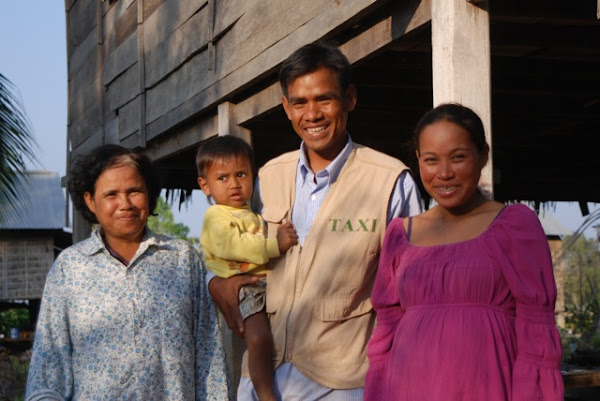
(164, 223)
(581, 287)
(16, 145)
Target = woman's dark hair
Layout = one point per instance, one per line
(458, 114)
(222, 147)
(87, 168)
(310, 58)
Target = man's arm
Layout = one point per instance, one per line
(406, 199)
(224, 292)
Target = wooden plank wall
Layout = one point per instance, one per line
(139, 68)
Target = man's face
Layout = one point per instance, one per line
(318, 110)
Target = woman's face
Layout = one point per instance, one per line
(450, 164)
(120, 203)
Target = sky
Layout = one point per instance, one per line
(33, 57)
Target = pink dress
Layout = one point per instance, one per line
(469, 321)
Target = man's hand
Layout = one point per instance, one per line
(224, 292)
(286, 236)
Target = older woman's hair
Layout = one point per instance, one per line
(87, 168)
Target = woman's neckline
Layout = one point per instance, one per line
(484, 232)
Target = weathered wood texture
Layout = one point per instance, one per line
(577, 379)
(152, 69)
(24, 264)
(251, 38)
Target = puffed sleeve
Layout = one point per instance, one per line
(212, 376)
(386, 302)
(50, 374)
(527, 266)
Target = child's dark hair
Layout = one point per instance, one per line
(222, 147)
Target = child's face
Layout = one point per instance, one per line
(228, 181)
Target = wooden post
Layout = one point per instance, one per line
(81, 227)
(460, 41)
(228, 122)
(234, 346)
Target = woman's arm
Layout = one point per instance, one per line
(386, 303)
(529, 274)
(50, 371)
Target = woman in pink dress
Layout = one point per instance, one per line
(465, 292)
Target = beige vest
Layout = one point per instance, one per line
(318, 296)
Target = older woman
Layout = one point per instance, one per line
(125, 313)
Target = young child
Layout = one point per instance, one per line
(234, 242)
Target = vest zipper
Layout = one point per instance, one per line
(287, 319)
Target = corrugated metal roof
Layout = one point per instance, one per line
(42, 205)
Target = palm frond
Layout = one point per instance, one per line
(16, 145)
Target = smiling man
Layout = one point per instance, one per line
(339, 195)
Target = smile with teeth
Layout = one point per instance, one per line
(315, 130)
(446, 189)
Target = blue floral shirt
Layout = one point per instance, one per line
(147, 331)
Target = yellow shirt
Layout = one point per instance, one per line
(234, 241)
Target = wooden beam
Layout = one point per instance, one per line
(578, 379)
(460, 39)
(405, 17)
(227, 122)
(258, 104)
(183, 138)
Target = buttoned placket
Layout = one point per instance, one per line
(129, 275)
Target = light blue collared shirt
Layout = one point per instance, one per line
(312, 188)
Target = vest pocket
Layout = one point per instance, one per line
(275, 216)
(334, 309)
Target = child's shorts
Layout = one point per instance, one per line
(252, 298)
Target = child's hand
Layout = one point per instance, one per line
(286, 236)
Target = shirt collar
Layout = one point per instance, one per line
(333, 169)
(95, 243)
